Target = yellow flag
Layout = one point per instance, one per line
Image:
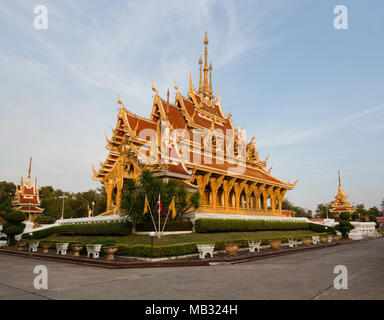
(145, 206)
(173, 208)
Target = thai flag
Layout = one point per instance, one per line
(158, 206)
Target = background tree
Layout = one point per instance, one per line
(322, 209)
(298, 211)
(374, 211)
(382, 207)
(7, 192)
(14, 225)
(76, 205)
(361, 211)
(344, 225)
(373, 218)
(134, 193)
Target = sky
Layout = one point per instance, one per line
(312, 94)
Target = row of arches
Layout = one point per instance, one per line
(237, 195)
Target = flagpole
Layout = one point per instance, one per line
(159, 214)
(153, 220)
(166, 219)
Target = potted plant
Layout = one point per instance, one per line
(232, 249)
(45, 247)
(306, 242)
(275, 244)
(110, 251)
(76, 247)
(324, 239)
(20, 246)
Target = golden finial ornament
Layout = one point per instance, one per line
(190, 82)
(201, 75)
(118, 99)
(210, 80)
(206, 63)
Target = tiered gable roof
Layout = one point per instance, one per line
(341, 203)
(27, 198)
(196, 111)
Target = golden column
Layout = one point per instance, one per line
(227, 186)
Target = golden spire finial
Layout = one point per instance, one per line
(339, 179)
(190, 82)
(29, 170)
(218, 101)
(118, 99)
(201, 75)
(29, 173)
(210, 80)
(206, 63)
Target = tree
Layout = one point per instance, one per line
(374, 211)
(373, 218)
(382, 208)
(134, 193)
(322, 210)
(344, 225)
(13, 225)
(361, 211)
(299, 211)
(7, 192)
(76, 205)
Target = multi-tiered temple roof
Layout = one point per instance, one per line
(193, 141)
(27, 197)
(341, 203)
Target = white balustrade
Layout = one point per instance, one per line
(61, 248)
(254, 245)
(33, 245)
(292, 243)
(205, 249)
(315, 239)
(94, 250)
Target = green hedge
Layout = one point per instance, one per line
(142, 250)
(89, 229)
(320, 228)
(235, 225)
(170, 226)
(190, 248)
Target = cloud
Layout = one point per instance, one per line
(293, 137)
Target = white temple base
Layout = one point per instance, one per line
(28, 226)
(200, 215)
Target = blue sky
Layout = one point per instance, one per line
(312, 94)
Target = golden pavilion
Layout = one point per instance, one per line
(193, 142)
(341, 203)
(27, 198)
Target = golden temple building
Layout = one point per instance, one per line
(27, 198)
(193, 142)
(341, 203)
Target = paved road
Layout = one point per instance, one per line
(306, 275)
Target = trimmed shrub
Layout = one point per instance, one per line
(234, 225)
(345, 216)
(344, 227)
(89, 229)
(185, 225)
(13, 225)
(44, 219)
(190, 248)
(320, 228)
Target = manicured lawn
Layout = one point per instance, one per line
(192, 237)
